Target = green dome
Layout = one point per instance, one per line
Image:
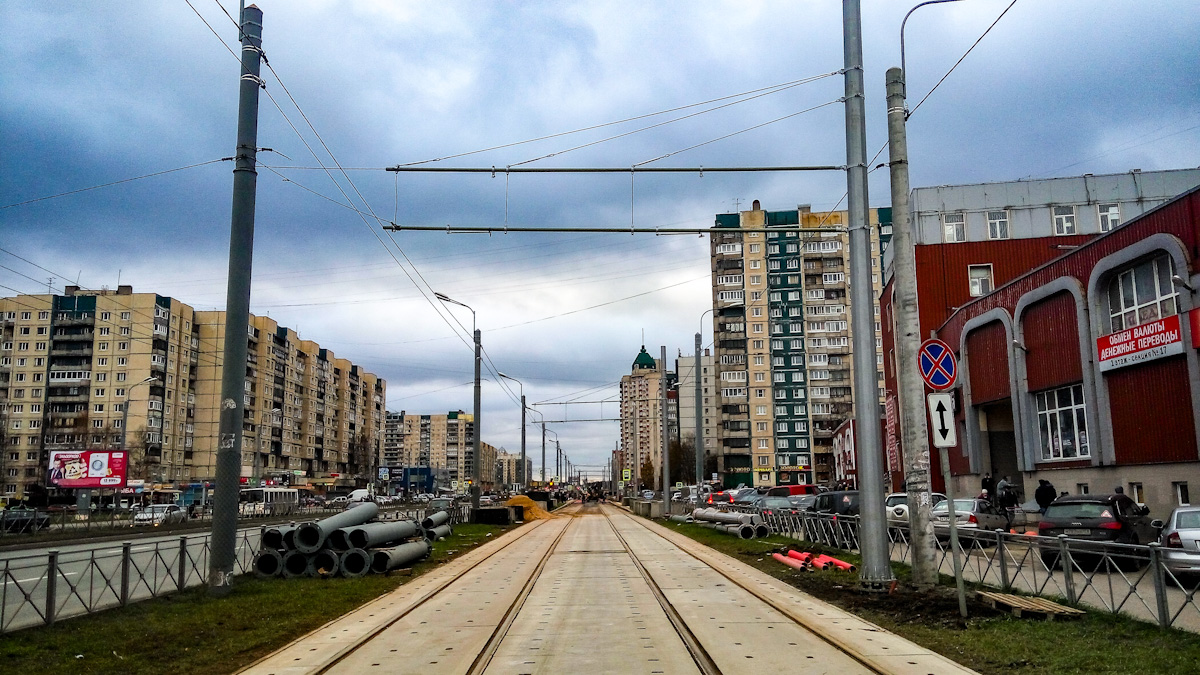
(644, 361)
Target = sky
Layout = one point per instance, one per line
(95, 93)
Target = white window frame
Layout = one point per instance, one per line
(979, 276)
(1064, 220)
(998, 224)
(1131, 303)
(1109, 216)
(1062, 424)
(954, 227)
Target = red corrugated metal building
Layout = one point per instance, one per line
(1084, 370)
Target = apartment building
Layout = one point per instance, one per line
(508, 468)
(782, 340)
(685, 367)
(445, 443)
(309, 416)
(642, 416)
(76, 368)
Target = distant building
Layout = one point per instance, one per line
(443, 442)
(783, 336)
(508, 468)
(642, 416)
(685, 366)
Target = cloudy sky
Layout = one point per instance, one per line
(92, 93)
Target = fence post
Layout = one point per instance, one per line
(51, 585)
(182, 562)
(125, 553)
(1064, 556)
(1160, 585)
(1005, 584)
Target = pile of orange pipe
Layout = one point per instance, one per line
(809, 561)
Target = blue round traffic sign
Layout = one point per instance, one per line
(938, 367)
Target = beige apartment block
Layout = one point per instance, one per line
(309, 417)
(445, 444)
(642, 418)
(76, 368)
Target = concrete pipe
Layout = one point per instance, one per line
(289, 539)
(681, 519)
(310, 537)
(295, 564)
(323, 564)
(387, 559)
(745, 531)
(339, 540)
(354, 563)
(435, 519)
(268, 563)
(761, 530)
(373, 535)
(439, 532)
(276, 537)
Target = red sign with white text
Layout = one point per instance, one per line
(1141, 343)
(87, 469)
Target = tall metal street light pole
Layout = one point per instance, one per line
(876, 572)
(475, 450)
(125, 422)
(913, 428)
(237, 310)
(521, 470)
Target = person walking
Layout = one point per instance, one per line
(988, 483)
(1045, 494)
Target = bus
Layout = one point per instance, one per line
(269, 501)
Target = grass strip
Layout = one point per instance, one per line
(193, 633)
(991, 642)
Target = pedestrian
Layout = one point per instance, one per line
(1119, 490)
(1002, 485)
(1044, 494)
(988, 483)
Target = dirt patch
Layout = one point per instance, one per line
(532, 510)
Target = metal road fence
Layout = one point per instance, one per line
(41, 588)
(1133, 579)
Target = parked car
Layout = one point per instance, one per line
(790, 490)
(970, 515)
(747, 497)
(485, 500)
(24, 519)
(159, 514)
(723, 497)
(802, 502)
(647, 494)
(1097, 520)
(1180, 540)
(441, 504)
(775, 506)
(839, 502)
(897, 504)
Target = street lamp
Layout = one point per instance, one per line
(521, 478)
(475, 449)
(125, 412)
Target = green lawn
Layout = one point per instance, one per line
(989, 642)
(193, 633)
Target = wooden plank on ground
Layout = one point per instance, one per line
(1021, 605)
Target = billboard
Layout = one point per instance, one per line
(87, 468)
(1141, 343)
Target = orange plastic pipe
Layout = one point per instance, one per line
(799, 555)
(790, 562)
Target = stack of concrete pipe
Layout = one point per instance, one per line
(743, 525)
(350, 544)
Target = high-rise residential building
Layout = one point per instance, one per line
(782, 340)
(642, 417)
(76, 368)
(685, 367)
(444, 443)
(508, 468)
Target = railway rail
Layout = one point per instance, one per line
(604, 591)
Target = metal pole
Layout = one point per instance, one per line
(543, 454)
(699, 442)
(521, 477)
(876, 573)
(237, 310)
(944, 456)
(666, 431)
(913, 426)
(476, 455)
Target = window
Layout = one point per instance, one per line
(105, 316)
(1137, 493)
(756, 344)
(760, 410)
(1181, 493)
(781, 427)
(1142, 293)
(756, 248)
(729, 279)
(997, 224)
(104, 331)
(1063, 423)
(955, 225)
(728, 296)
(102, 346)
(833, 278)
(760, 426)
(1064, 219)
(980, 277)
(755, 279)
(734, 392)
(1110, 217)
(763, 460)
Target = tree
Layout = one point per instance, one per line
(360, 457)
(683, 461)
(647, 474)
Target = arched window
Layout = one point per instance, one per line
(1142, 293)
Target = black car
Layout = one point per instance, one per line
(1104, 519)
(840, 502)
(776, 506)
(21, 519)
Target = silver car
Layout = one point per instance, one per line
(1180, 540)
(971, 515)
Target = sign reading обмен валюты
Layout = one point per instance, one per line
(1141, 343)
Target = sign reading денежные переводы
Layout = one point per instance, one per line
(1141, 343)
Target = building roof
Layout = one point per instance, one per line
(644, 361)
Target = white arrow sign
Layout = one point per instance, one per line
(941, 420)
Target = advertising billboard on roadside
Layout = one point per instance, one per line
(87, 468)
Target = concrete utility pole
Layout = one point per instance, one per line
(543, 454)
(699, 421)
(476, 456)
(521, 477)
(666, 432)
(237, 311)
(876, 573)
(908, 342)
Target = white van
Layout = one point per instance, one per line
(360, 495)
